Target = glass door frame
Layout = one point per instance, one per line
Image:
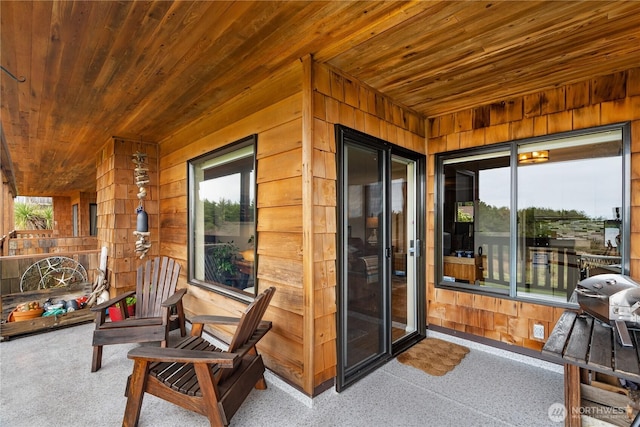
(346, 136)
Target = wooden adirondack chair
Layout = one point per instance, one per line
(156, 299)
(199, 376)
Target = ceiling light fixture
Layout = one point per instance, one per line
(534, 157)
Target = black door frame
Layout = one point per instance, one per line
(345, 135)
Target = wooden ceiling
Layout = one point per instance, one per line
(143, 70)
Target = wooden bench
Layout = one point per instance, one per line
(42, 324)
(580, 341)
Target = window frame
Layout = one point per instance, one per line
(192, 164)
(75, 220)
(513, 146)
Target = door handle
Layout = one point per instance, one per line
(415, 250)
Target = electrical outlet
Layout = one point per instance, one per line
(538, 331)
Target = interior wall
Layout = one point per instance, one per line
(599, 101)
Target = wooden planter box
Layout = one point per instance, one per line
(43, 324)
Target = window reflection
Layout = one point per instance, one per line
(476, 221)
(569, 198)
(569, 215)
(223, 217)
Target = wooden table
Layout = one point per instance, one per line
(463, 268)
(584, 342)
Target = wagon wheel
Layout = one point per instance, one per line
(52, 272)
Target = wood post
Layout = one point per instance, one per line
(572, 395)
(308, 345)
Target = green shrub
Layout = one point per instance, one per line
(33, 217)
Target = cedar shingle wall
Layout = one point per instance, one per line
(62, 216)
(117, 202)
(339, 99)
(83, 200)
(50, 245)
(602, 100)
(273, 110)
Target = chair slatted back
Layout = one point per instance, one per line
(156, 281)
(250, 319)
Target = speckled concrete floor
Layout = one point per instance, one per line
(46, 381)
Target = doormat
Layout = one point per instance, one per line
(434, 356)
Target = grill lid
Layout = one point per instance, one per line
(611, 284)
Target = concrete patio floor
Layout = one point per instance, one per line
(45, 380)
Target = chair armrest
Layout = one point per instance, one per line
(260, 332)
(112, 301)
(159, 354)
(175, 298)
(216, 320)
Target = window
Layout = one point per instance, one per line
(93, 219)
(74, 210)
(222, 217)
(532, 218)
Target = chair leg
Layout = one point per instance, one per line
(209, 394)
(96, 362)
(261, 384)
(136, 387)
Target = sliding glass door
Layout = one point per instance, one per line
(381, 289)
(405, 247)
(365, 261)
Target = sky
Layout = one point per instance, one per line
(225, 187)
(560, 185)
(566, 185)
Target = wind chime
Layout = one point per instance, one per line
(141, 177)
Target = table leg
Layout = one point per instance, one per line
(572, 395)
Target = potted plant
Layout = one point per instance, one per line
(221, 263)
(114, 311)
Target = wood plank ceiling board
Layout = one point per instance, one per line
(146, 70)
(221, 74)
(481, 51)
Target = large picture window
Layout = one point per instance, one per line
(532, 218)
(222, 217)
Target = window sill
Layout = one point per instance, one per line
(225, 291)
(502, 294)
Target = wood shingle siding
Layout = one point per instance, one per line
(272, 111)
(598, 101)
(302, 345)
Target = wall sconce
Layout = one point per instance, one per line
(534, 157)
(372, 224)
